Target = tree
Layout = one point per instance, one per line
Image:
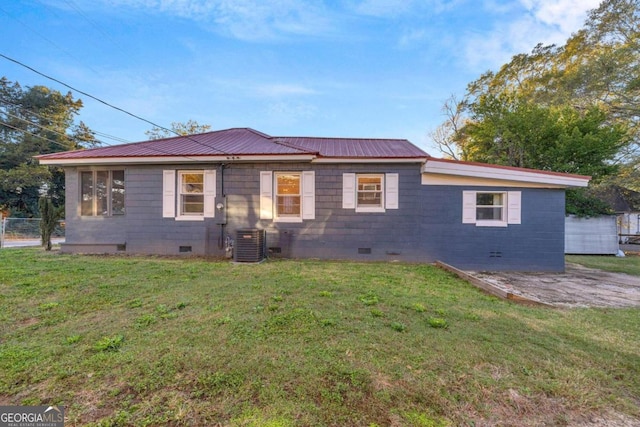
(189, 128)
(445, 135)
(35, 120)
(514, 132)
(49, 215)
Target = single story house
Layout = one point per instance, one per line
(326, 198)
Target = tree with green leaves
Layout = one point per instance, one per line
(177, 128)
(49, 215)
(572, 108)
(35, 120)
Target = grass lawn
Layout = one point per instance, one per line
(155, 341)
(629, 264)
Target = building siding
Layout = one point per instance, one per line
(426, 227)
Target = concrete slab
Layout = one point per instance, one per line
(578, 286)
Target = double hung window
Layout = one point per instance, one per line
(288, 195)
(191, 189)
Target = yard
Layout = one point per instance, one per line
(153, 341)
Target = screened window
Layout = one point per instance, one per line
(369, 192)
(102, 193)
(490, 206)
(288, 195)
(191, 189)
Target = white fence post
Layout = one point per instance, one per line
(1, 231)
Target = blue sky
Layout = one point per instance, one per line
(344, 68)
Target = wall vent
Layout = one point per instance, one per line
(495, 254)
(121, 247)
(275, 250)
(184, 249)
(250, 245)
(364, 251)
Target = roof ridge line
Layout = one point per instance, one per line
(344, 138)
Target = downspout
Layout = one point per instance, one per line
(221, 239)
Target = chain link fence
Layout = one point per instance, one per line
(25, 232)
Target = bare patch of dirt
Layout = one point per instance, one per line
(578, 286)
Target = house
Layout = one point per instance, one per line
(326, 198)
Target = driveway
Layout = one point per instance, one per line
(24, 243)
(578, 286)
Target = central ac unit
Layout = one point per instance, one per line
(250, 245)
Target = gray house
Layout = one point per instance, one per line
(327, 198)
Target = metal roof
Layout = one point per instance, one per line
(249, 142)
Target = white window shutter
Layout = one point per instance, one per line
(391, 191)
(348, 191)
(468, 207)
(168, 193)
(514, 202)
(266, 195)
(308, 195)
(209, 193)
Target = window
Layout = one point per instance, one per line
(370, 192)
(491, 209)
(102, 193)
(490, 206)
(191, 193)
(188, 195)
(288, 195)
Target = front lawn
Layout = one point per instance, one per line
(154, 341)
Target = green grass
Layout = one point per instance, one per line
(150, 341)
(629, 264)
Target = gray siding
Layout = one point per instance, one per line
(426, 227)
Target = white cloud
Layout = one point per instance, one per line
(543, 21)
(246, 19)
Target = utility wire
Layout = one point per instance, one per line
(158, 150)
(95, 132)
(111, 105)
(33, 134)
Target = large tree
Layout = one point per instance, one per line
(35, 120)
(572, 108)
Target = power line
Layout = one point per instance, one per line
(33, 134)
(51, 130)
(158, 150)
(111, 105)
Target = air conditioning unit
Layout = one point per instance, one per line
(250, 245)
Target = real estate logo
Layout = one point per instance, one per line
(31, 416)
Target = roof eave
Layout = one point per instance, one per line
(493, 172)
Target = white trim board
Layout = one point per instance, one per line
(436, 172)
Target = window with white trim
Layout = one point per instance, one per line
(287, 196)
(102, 193)
(370, 192)
(191, 193)
(491, 208)
(188, 194)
